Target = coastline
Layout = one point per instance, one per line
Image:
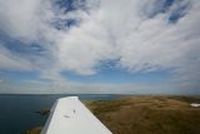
(147, 114)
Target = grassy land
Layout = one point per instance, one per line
(36, 130)
(148, 115)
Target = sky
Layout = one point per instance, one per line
(100, 46)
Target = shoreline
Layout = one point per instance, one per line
(147, 114)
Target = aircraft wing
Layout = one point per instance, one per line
(70, 116)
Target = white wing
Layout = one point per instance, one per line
(70, 116)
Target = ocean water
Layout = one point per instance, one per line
(17, 112)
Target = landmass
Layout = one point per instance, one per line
(36, 130)
(43, 112)
(146, 115)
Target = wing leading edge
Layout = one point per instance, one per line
(70, 116)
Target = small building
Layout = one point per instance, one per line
(195, 105)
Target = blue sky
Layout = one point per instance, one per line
(65, 46)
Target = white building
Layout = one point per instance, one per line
(195, 105)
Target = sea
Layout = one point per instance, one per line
(18, 112)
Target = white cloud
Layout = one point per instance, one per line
(39, 87)
(8, 61)
(83, 47)
(18, 17)
(120, 29)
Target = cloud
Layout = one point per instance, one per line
(39, 87)
(143, 36)
(18, 17)
(8, 61)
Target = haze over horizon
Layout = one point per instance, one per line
(100, 46)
